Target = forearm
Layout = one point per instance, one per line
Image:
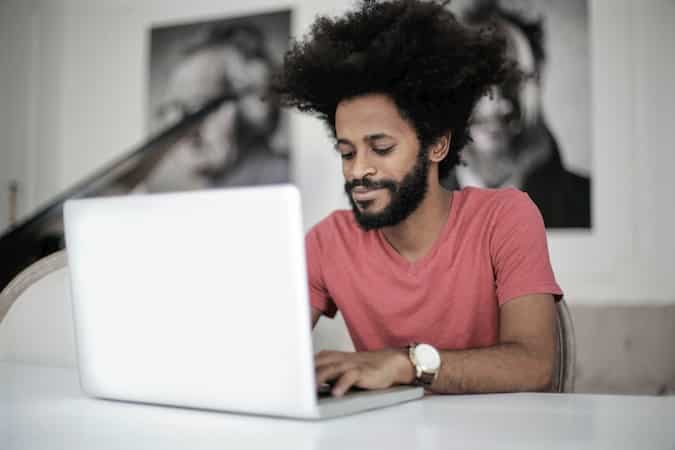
(507, 367)
(523, 360)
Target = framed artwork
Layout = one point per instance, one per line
(245, 142)
(536, 134)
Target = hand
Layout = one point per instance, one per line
(368, 370)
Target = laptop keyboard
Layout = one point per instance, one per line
(324, 390)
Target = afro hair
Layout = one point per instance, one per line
(414, 51)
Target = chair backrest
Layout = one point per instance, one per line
(28, 277)
(36, 315)
(563, 377)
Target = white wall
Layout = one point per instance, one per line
(15, 53)
(76, 88)
(4, 120)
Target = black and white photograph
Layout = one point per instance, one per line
(535, 134)
(245, 141)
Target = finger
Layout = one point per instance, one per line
(346, 381)
(332, 371)
(328, 357)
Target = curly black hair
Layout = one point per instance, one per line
(414, 51)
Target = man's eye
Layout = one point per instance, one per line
(383, 150)
(346, 156)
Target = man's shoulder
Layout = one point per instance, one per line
(337, 225)
(480, 211)
(338, 218)
(476, 199)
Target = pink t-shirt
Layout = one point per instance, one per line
(491, 250)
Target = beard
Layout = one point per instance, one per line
(405, 196)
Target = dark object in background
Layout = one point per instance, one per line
(41, 233)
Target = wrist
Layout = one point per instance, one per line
(406, 370)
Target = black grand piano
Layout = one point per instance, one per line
(41, 233)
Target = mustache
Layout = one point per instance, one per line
(370, 184)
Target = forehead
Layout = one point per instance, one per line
(370, 114)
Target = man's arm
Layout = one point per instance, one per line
(521, 361)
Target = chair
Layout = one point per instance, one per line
(36, 324)
(563, 376)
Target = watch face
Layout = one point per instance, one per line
(427, 357)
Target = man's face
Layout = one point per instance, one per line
(202, 156)
(501, 118)
(386, 173)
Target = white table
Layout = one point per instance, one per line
(43, 408)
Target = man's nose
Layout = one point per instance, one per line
(361, 165)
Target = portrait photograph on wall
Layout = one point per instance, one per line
(245, 141)
(535, 135)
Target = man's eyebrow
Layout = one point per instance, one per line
(343, 141)
(369, 138)
(376, 137)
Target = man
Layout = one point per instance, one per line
(450, 290)
(243, 142)
(512, 145)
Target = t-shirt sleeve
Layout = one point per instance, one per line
(519, 250)
(319, 297)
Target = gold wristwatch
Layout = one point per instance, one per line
(427, 363)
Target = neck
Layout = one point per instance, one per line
(415, 236)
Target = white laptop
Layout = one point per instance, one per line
(200, 300)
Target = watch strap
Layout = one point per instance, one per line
(426, 379)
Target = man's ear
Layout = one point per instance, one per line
(439, 149)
